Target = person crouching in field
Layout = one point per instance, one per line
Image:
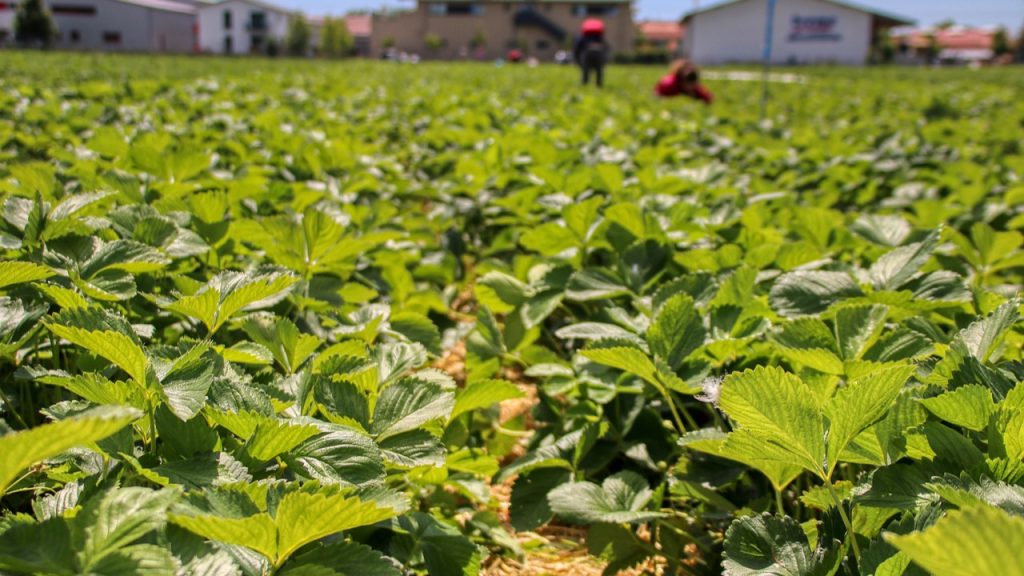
(591, 51)
(683, 79)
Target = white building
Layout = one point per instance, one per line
(6, 22)
(804, 31)
(241, 27)
(115, 25)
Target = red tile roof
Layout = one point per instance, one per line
(359, 25)
(660, 30)
(957, 37)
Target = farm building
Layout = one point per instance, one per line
(804, 32)
(956, 44)
(489, 29)
(117, 25)
(241, 26)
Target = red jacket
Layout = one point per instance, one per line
(671, 85)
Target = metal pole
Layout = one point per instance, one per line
(769, 31)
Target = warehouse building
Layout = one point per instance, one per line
(489, 29)
(804, 32)
(116, 25)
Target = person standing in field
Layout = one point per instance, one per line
(683, 79)
(591, 51)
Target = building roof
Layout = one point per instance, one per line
(359, 25)
(660, 29)
(886, 18)
(537, 1)
(956, 38)
(204, 4)
(163, 5)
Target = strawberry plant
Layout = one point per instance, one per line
(269, 317)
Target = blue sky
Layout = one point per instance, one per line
(979, 12)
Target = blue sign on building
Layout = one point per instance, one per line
(814, 28)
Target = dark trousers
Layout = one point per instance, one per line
(598, 71)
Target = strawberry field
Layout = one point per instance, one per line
(318, 318)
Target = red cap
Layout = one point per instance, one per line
(593, 26)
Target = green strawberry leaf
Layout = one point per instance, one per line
(621, 498)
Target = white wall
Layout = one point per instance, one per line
(7, 25)
(139, 28)
(212, 31)
(735, 33)
(172, 32)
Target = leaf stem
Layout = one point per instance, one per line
(686, 415)
(516, 433)
(675, 413)
(850, 535)
(778, 502)
(11, 409)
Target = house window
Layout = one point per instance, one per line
(112, 38)
(227, 19)
(584, 10)
(75, 36)
(258, 22)
(456, 9)
(228, 48)
(73, 10)
(465, 9)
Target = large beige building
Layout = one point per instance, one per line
(490, 28)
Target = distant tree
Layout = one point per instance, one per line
(433, 42)
(335, 40)
(1020, 45)
(1001, 42)
(33, 25)
(946, 24)
(388, 43)
(273, 48)
(932, 49)
(641, 42)
(299, 33)
(478, 40)
(884, 49)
